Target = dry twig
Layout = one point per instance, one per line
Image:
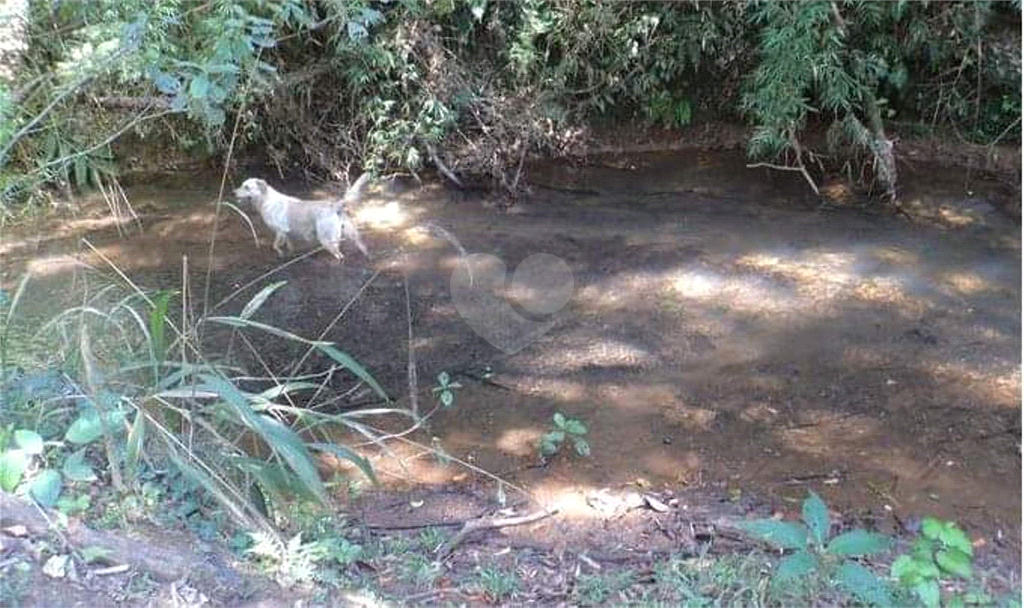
(476, 525)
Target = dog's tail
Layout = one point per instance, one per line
(355, 191)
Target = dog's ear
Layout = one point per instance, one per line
(261, 185)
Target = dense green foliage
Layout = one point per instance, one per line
(478, 85)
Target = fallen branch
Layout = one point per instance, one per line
(421, 526)
(443, 168)
(134, 103)
(801, 169)
(476, 525)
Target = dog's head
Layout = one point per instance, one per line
(252, 190)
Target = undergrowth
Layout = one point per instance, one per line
(475, 88)
(126, 400)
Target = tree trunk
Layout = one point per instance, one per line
(881, 148)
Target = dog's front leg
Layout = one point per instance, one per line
(280, 239)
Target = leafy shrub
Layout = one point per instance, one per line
(941, 549)
(564, 428)
(814, 551)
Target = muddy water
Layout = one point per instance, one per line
(724, 330)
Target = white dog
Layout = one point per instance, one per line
(323, 221)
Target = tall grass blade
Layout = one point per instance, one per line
(289, 445)
(18, 292)
(270, 329)
(353, 366)
(257, 300)
(219, 490)
(133, 449)
(157, 316)
(342, 452)
(278, 437)
(6, 327)
(327, 348)
(275, 483)
(286, 388)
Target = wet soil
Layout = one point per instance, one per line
(726, 329)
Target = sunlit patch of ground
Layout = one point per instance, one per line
(820, 274)
(744, 294)
(692, 419)
(825, 433)
(597, 353)
(384, 216)
(55, 265)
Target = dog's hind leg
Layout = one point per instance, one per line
(328, 232)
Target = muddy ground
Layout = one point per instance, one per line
(727, 332)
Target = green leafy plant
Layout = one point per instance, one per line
(813, 551)
(24, 447)
(669, 111)
(563, 429)
(596, 589)
(941, 549)
(445, 389)
(497, 584)
(420, 570)
(431, 538)
(295, 561)
(26, 464)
